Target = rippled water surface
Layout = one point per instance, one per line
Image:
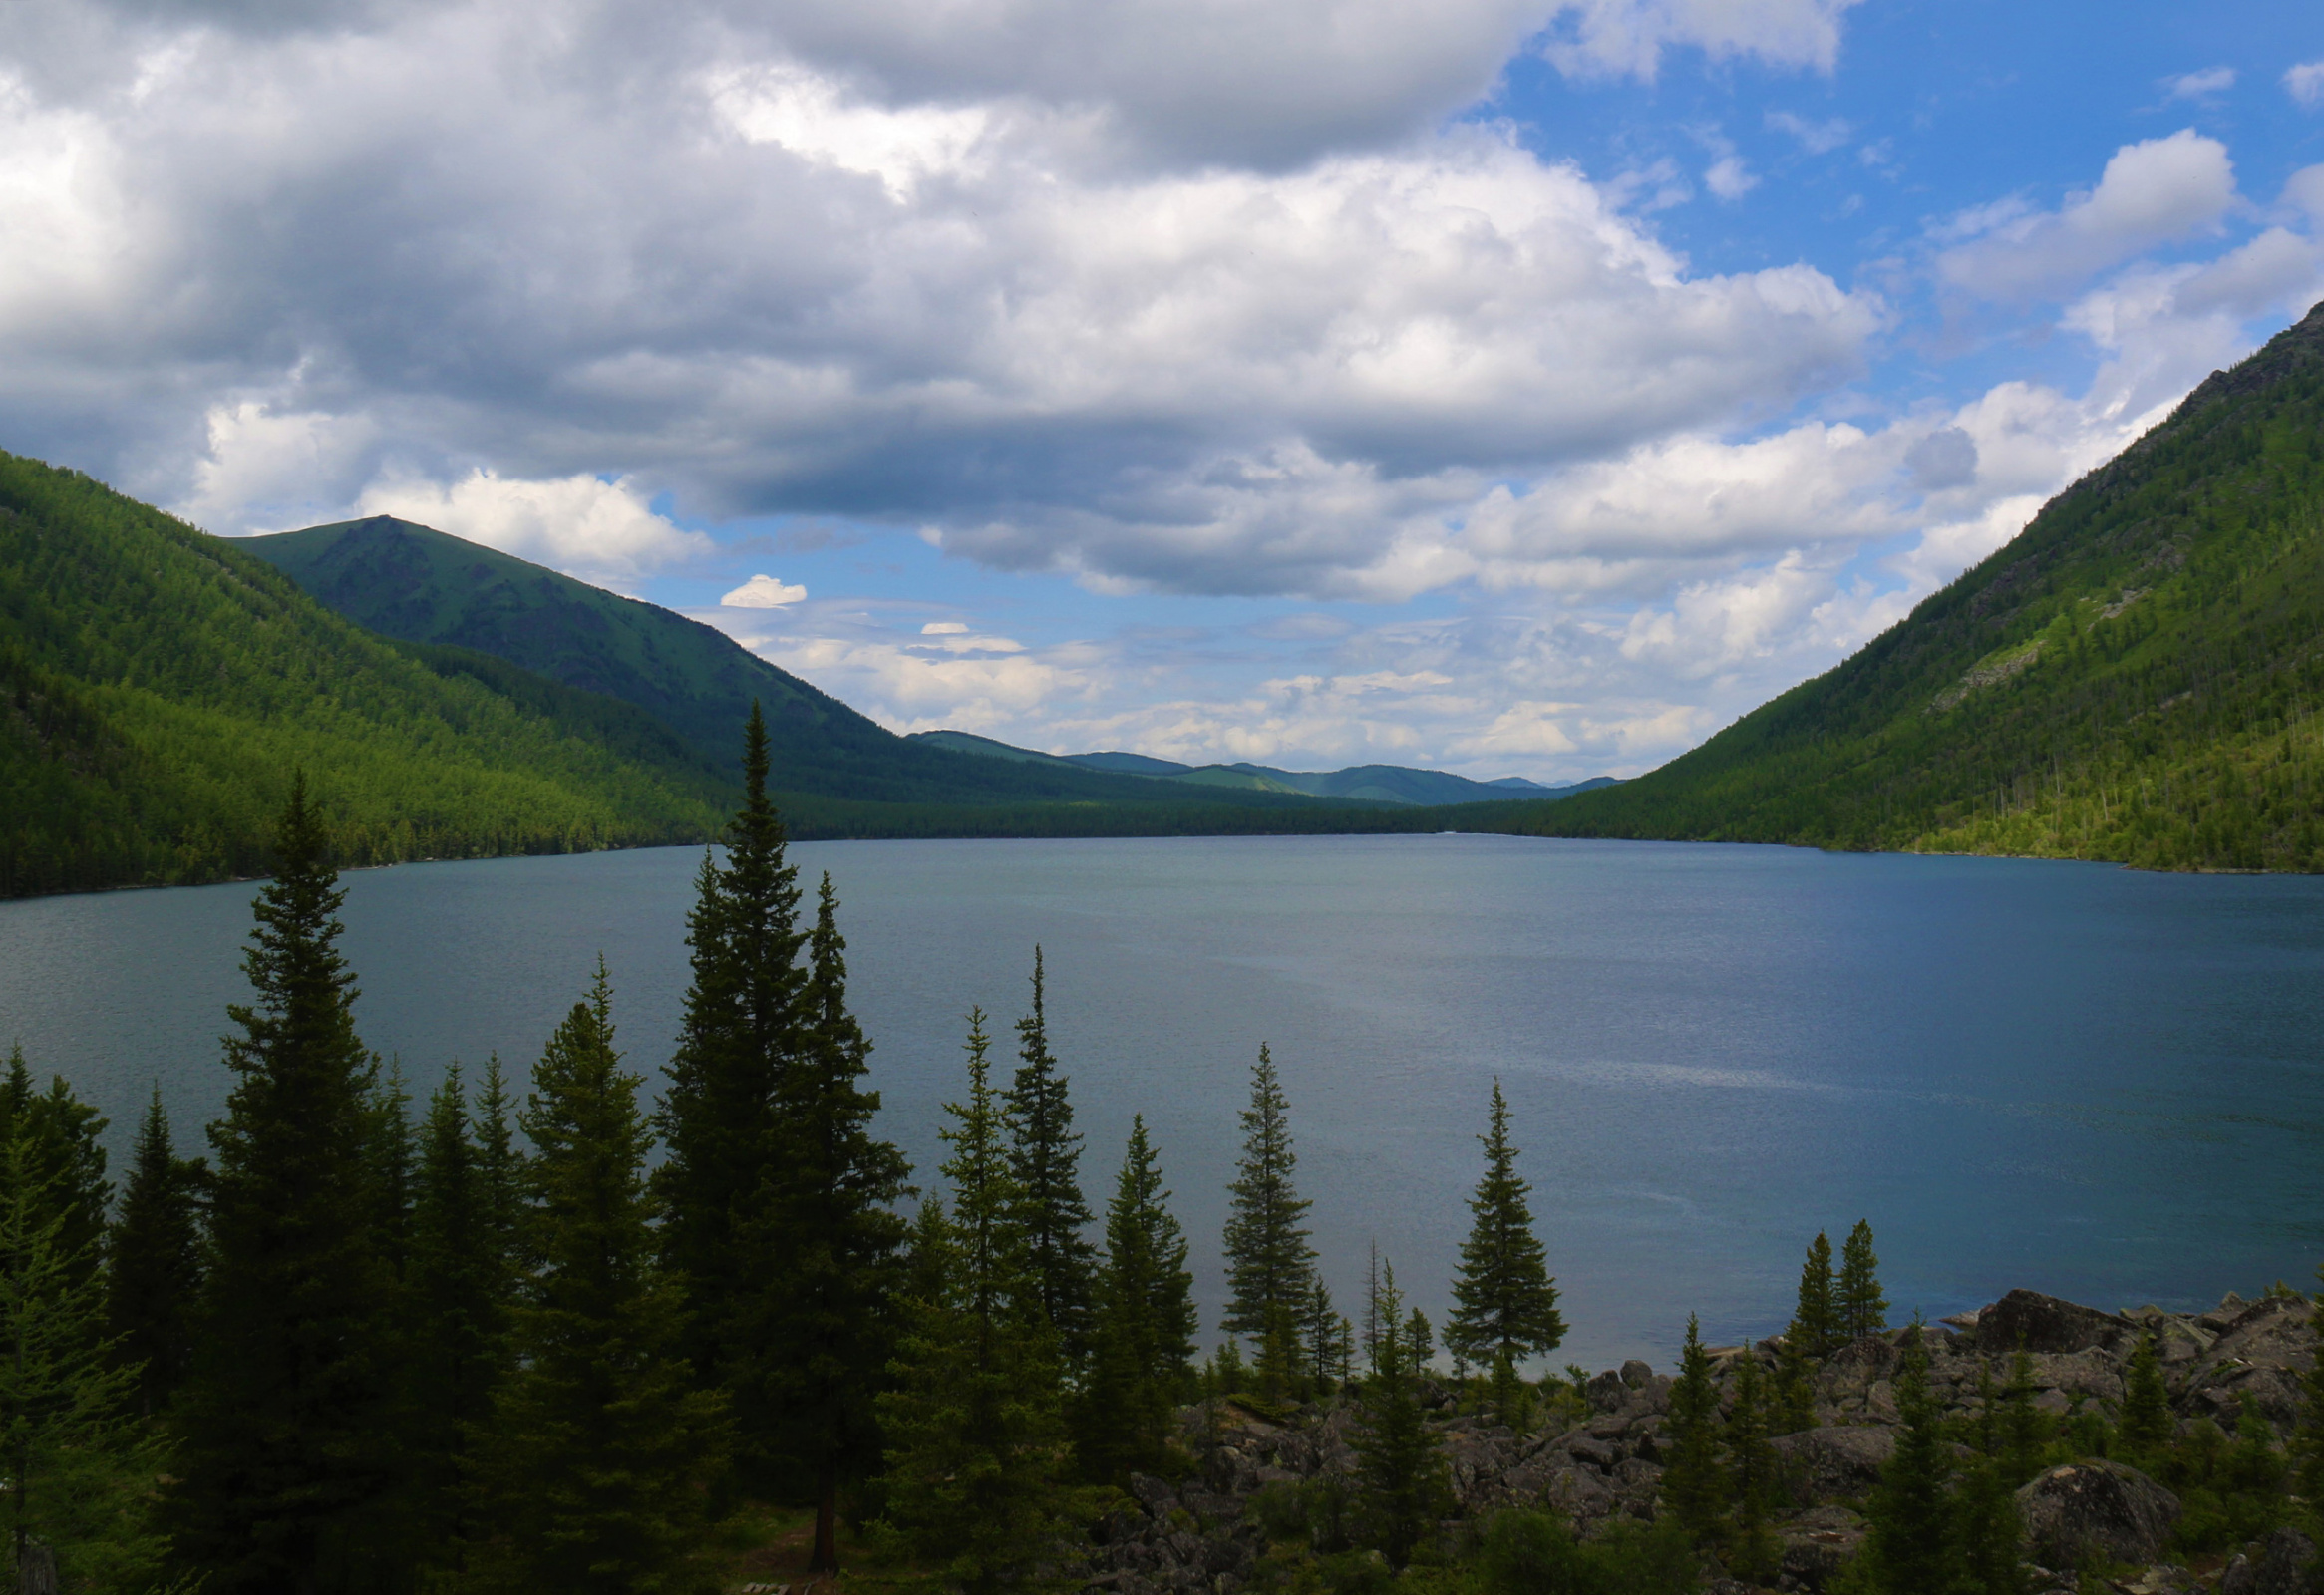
(2081, 1079)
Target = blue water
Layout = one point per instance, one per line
(2079, 1079)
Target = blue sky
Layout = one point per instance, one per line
(1508, 387)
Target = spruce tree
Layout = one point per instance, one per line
(156, 1262)
(2145, 1428)
(825, 1219)
(1398, 1462)
(1506, 1304)
(1913, 1548)
(1319, 1329)
(1143, 1346)
(283, 1468)
(1752, 1548)
(77, 1467)
(68, 1158)
(500, 1167)
(2026, 1430)
(1857, 1300)
(462, 1277)
(592, 1475)
(1044, 1159)
(974, 1424)
(1694, 1487)
(1815, 1325)
(1268, 1260)
(738, 1028)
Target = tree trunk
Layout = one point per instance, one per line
(36, 1570)
(826, 1519)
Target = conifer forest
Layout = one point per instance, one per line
(691, 1325)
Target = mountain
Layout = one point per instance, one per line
(839, 773)
(2134, 677)
(157, 687)
(1368, 783)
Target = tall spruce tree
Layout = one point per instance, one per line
(739, 1028)
(1268, 1260)
(1913, 1548)
(283, 1470)
(825, 1219)
(1694, 1484)
(1856, 1298)
(2145, 1426)
(1319, 1329)
(1401, 1469)
(1506, 1304)
(76, 1466)
(1045, 1158)
(974, 1424)
(1142, 1341)
(156, 1262)
(1816, 1324)
(68, 1158)
(1752, 1548)
(595, 1470)
(462, 1276)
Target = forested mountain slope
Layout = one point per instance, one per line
(426, 586)
(159, 686)
(2134, 677)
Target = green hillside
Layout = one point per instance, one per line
(2134, 677)
(421, 585)
(157, 687)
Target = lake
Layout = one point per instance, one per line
(2079, 1078)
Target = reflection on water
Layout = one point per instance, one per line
(2071, 1077)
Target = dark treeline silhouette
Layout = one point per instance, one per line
(611, 1340)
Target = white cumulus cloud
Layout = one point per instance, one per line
(1628, 37)
(2305, 83)
(581, 524)
(762, 592)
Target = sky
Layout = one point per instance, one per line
(1510, 387)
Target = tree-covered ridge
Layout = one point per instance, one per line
(2134, 677)
(157, 684)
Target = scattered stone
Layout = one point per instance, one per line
(2038, 1323)
(1824, 1464)
(2282, 1568)
(2104, 1507)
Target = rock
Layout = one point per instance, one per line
(2281, 1567)
(2219, 1317)
(1153, 1494)
(1824, 1462)
(2099, 1506)
(2046, 1324)
(2162, 1580)
(1635, 1373)
(1605, 1392)
(1819, 1542)
(2085, 1373)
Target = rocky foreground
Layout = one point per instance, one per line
(1198, 1535)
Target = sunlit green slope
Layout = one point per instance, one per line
(158, 685)
(2136, 677)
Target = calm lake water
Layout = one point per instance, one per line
(2091, 1082)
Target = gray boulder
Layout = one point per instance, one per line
(2282, 1568)
(2042, 1322)
(1818, 1544)
(1824, 1462)
(2116, 1511)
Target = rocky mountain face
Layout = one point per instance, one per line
(1208, 1533)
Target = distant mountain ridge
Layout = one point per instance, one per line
(1379, 784)
(2134, 677)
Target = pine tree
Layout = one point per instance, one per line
(390, 1157)
(1044, 1159)
(1143, 1349)
(1694, 1486)
(826, 1216)
(2145, 1426)
(76, 1468)
(1913, 1548)
(593, 1471)
(462, 1276)
(1857, 1300)
(974, 1424)
(1320, 1330)
(68, 1158)
(282, 1473)
(156, 1262)
(739, 1028)
(2026, 1430)
(1268, 1260)
(1815, 1325)
(1753, 1550)
(1398, 1462)
(1505, 1302)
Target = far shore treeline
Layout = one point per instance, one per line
(472, 1344)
